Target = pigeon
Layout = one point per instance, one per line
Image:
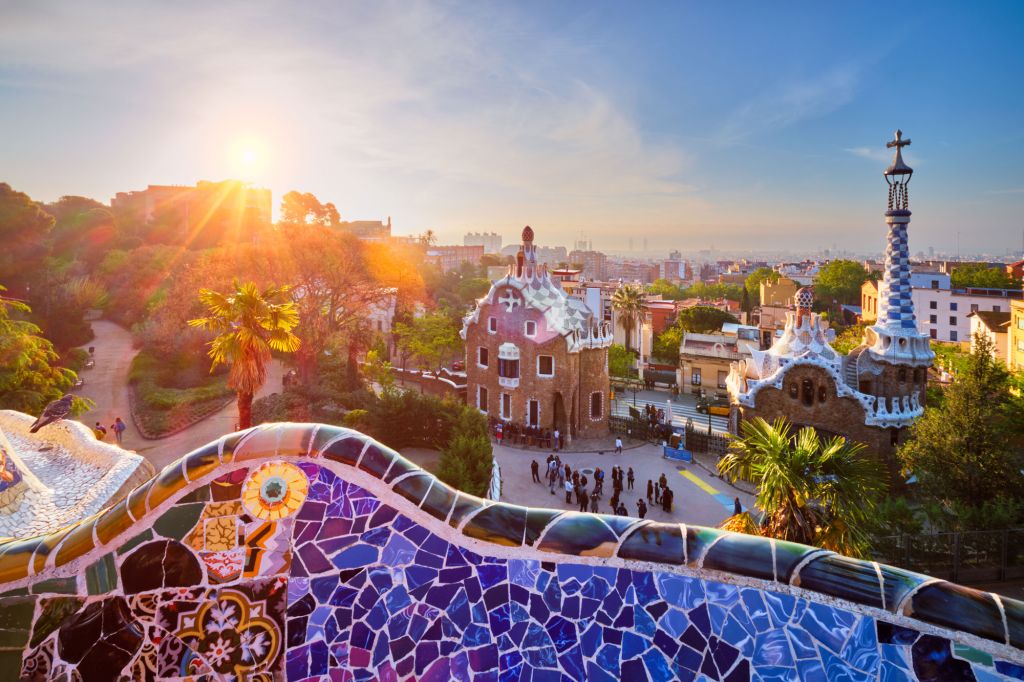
(55, 411)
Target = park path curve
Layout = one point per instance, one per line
(106, 384)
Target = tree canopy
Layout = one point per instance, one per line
(811, 490)
(840, 280)
(982, 276)
(968, 448)
(628, 304)
(432, 340)
(702, 319)
(30, 374)
(24, 232)
(303, 208)
(753, 282)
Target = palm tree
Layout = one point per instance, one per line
(814, 491)
(628, 303)
(250, 324)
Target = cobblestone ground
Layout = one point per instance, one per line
(700, 498)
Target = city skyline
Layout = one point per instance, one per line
(687, 126)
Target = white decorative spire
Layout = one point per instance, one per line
(895, 337)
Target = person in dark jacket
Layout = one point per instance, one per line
(535, 469)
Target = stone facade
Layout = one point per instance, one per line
(535, 355)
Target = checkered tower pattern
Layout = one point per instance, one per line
(895, 303)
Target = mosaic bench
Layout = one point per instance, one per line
(302, 551)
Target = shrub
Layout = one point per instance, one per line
(164, 401)
(355, 418)
(466, 463)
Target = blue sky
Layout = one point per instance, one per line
(743, 125)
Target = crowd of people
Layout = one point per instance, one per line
(581, 492)
(512, 433)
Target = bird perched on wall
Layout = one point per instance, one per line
(55, 411)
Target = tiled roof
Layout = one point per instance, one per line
(776, 565)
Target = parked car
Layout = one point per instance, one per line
(718, 405)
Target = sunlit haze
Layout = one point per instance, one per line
(738, 125)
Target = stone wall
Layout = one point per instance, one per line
(307, 552)
(836, 415)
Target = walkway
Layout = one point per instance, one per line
(683, 407)
(700, 498)
(107, 385)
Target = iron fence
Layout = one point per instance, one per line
(963, 557)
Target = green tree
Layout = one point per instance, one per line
(628, 304)
(25, 233)
(298, 208)
(849, 338)
(968, 449)
(30, 376)
(666, 344)
(732, 292)
(432, 340)
(840, 280)
(703, 318)
(745, 304)
(620, 361)
(379, 370)
(753, 282)
(249, 323)
(982, 276)
(666, 289)
(814, 491)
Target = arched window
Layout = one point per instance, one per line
(821, 393)
(917, 375)
(793, 390)
(807, 392)
(901, 375)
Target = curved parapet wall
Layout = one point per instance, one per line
(300, 551)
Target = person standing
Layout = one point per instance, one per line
(618, 445)
(629, 478)
(552, 477)
(650, 491)
(593, 503)
(614, 502)
(737, 508)
(556, 439)
(99, 431)
(663, 481)
(666, 500)
(568, 491)
(499, 432)
(621, 510)
(657, 494)
(535, 470)
(641, 508)
(118, 427)
(584, 500)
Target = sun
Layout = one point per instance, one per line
(248, 157)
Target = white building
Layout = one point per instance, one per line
(942, 312)
(491, 241)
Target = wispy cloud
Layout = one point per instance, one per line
(788, 103)
(370, 98)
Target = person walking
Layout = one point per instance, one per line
(535, 470)
(118, 427)
(629, 478)
(621, 510)
(641, 508)
(618, 445)
(568, 491)
(650, 491)
(737, 508)
(499, 432)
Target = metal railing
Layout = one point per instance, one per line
(963, 557)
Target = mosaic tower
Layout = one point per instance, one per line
(894, 337)
(871, 395)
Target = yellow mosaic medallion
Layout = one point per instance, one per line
(275, 490)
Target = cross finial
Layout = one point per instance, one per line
(898, 142)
